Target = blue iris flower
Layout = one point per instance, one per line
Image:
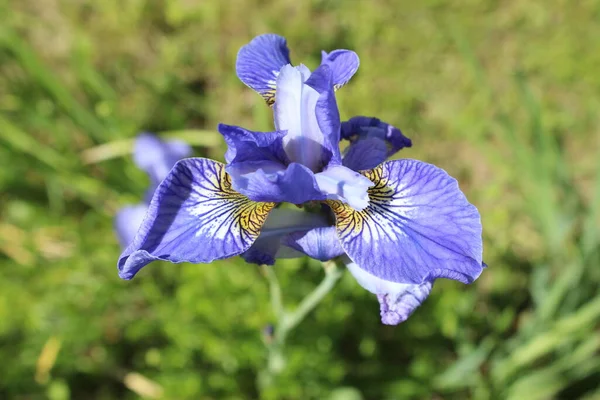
(398, 224)
(156, 157)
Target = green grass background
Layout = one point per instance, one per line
(504, 95)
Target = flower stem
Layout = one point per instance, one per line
(287, 321)
(291, 320)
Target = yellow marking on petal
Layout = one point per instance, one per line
(269, 97)
(348, 219)
(249, 215)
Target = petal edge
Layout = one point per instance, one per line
(195, 216)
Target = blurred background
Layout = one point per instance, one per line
(504, 95)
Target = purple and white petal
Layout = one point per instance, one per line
(397, 301)
(418, 226)
(259, 62)
(156, 157)
(343, 64)
(195, 216)
(272, 182)
(327, 114)
(127, 222)
(365, 154)
(294, 112)
(357, 128)
(318, 243)
(282, 222)
(343, 184)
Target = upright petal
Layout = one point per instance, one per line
(259, 62)
(195, 216)
(156, 157)
(418, 226)
(127, 222)
(343, 64)
(327, 114)
(295, 113)
(397, 301)
(341, 183)
(358, 128)
(280, 224)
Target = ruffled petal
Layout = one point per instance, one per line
(357, 128)
(418, 226)
(128, 221)
(318, 243)
(341, 183)
(343, 64)
(282, 222)
(156, 157)
(259, 62)
(365, 154)
(397, 301)
(267, 181)
(195, 216)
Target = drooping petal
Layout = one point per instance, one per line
(397, 301)
(318, 243)
(127, 222)
(418, 226)
(343, 184)
(357, 128)
(327, 113)
(259, 62)
(267, 181)
(281, 223)
(156, 157)
(365, 154)
(244, 145)
(294, 112)
(195, 216)
(343, 64)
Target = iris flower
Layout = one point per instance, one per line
(156, 158)
(399, 224)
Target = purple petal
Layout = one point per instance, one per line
(268, 181)
(418, 226)
(244, 145)
(327, 114)
(343, 64)
(357, 128)
(397, 300)
(259, 62)
(128, 221)
(340, 183)
(157, 157)
(318, 243)
(195, 216)
(280, 224)
(294, 113)
(365, 154)
(258, 167)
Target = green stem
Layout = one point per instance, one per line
(290, 321)
(274, 290)
(287, 321)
